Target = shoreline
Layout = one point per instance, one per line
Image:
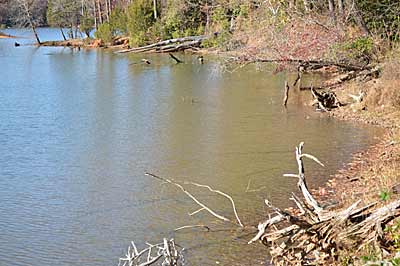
(371, 171)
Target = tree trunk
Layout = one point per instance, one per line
(94, 14)
(99, 11)
(292, 4)
(63, 35)
(107, 12)
(35, 33)
(332, 14)
(306, 5)
(155, 9)
(208, 19)
(110, 7)
(340, 10)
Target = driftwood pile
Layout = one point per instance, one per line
(169, 46)
(325, 100)
(312, 234)
(317, 236)
(166, 253)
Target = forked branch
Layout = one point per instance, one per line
(202, 205)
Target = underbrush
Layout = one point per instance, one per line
(386, 92)
(286, 37)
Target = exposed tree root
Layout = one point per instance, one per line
(325, 100)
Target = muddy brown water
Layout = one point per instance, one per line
(78, 130)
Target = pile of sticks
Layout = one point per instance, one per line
(325, 100)
(165, 253)
(169, 46)
(316, 236)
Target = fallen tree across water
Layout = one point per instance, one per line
(169, 46)
(317, 236)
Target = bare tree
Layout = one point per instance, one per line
(340, 10)
(28, 13)
(306, 5)
(355, 11)
(331, 6)
(155, 9)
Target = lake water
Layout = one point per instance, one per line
(78, 130)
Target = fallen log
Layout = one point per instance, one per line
(167, 45)
(316, 236)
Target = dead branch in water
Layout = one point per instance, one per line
(286, 95)
(315, 236)
(168, 251)
(223, 194)
(202, 205)
(300, 70)
(177, 60)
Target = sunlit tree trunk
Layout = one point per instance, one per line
(95, 14)
(99, 11)
(107, 12)
(155, 9)
(340, 10)
(292, 4)
(306, 5)
(332, 14)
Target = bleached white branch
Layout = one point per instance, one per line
(223, 194)
(190, 195)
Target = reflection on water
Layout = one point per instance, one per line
(78, 130)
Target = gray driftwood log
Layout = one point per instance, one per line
(168, 46)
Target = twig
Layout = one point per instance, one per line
(190, 195)
(193, 226)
